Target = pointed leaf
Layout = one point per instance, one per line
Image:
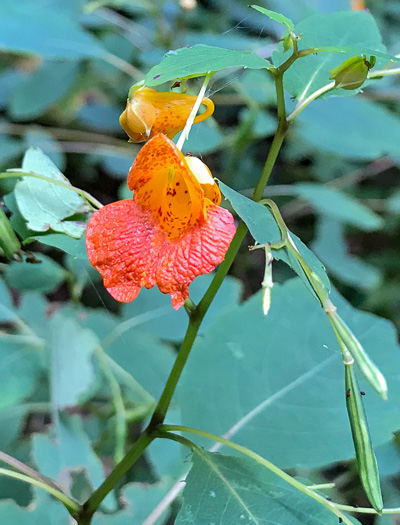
(197, 61)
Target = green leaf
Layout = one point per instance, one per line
(151, 311)
(44, 204)
(12, 421)
(336, 125)
(198, 60)
(37, 138)
(70, 451)
(75, 247)
(44, 510)
(338, 205)
(30, 99)
(9, 149)
(330, 247)
(204, 138)
(71, 369)
(239, 490)
(263, 228)
(281, 375)
(7, 311)
(43, 277)
(28, 29)
(351, 32)
(140, 499)
(20, 365)
(275, 16)
(393, 203)
(128, 351)
(70, 245)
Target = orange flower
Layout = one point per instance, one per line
(170, 232)
(149, 112)
(358, 5)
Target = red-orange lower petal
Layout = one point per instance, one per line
(125, 245)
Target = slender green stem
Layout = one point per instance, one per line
(92, 504)
(28, 471)
(71, 505)
(84, 194)
(195, 319)
(165, 431)
(302, 104)
(277, 141)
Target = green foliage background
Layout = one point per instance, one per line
(80, 373)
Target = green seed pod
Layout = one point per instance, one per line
(9, 243)
(366, 460)
(352, 73)
(369, 369)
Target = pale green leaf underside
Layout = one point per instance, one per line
(199, 60)
(44, 205)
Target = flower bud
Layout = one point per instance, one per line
(352, 73)
(287, 42)
(9, 243)
(149, 113)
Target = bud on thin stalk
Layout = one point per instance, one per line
(367, 366)
(267, 283)
(366, 460)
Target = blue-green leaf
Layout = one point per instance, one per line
(198, 60)
(346, 33)
(43, 277)
(283, 376)
(240, 491)
(338, 205)
(330, 247)
(42, 89)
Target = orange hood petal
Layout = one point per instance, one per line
(124, 243)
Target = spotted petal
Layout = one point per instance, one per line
(164, 185)
(126, 246)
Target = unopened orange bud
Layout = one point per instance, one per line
(149, 112)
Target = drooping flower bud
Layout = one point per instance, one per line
(352, 73)
(149, 112)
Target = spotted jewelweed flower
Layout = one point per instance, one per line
(149, 112)
(170, 232)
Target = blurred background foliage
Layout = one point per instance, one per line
(79, 372)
